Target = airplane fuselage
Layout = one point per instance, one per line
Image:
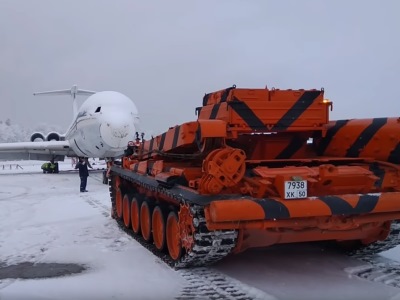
(103, 126)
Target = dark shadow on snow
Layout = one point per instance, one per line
(29, 270)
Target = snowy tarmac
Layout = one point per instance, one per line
(45, 219)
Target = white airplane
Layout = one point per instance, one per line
(101, 128)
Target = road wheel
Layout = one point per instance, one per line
(118, 202)
(126, 211)
(145, 220)
(174, 242)
(135, 213)
(159, 224)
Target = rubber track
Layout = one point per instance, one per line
(209, 247)
(379, 269)
(393, 240)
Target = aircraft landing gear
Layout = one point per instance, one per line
(105, 177)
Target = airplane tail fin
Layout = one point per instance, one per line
(73, 92)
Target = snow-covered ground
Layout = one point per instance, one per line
(44, 219)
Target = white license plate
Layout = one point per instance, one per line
(295, 189)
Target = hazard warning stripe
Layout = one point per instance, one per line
(378, 172)
(296, 110)
(295, 144)
(214, 111)
(339, 206)
(225, 94)
(247, 114)
(205, 99)
(222, 94)
(273, 209)
(151, 144)
(161, 146)
(394, 156)
(329, 135)
(176, 135)
(365, 136)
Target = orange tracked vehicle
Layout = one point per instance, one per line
(260, 167)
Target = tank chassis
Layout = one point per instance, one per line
(260, 167)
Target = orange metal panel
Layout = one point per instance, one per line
(250, 95)
(212, 128)
(221, 211)
(253, 238)
(142, 167)
(274, 146)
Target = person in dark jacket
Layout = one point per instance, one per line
(83, 165)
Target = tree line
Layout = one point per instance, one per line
(10, 132)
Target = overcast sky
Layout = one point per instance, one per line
(165, 55)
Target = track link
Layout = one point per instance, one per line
(209, 246)
(377, 268)
(393, 240)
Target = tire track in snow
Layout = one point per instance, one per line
(21, 193)
(6, 282)
(104, 209)
(206, 283)
(97, 176)
(378, 269)
(202, 283)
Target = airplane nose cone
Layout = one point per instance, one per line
(118, 132)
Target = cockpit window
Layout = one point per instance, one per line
(98, 109)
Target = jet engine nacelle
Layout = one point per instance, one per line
(37, 135)
(54, 136)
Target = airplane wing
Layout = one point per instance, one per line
(48, 150)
